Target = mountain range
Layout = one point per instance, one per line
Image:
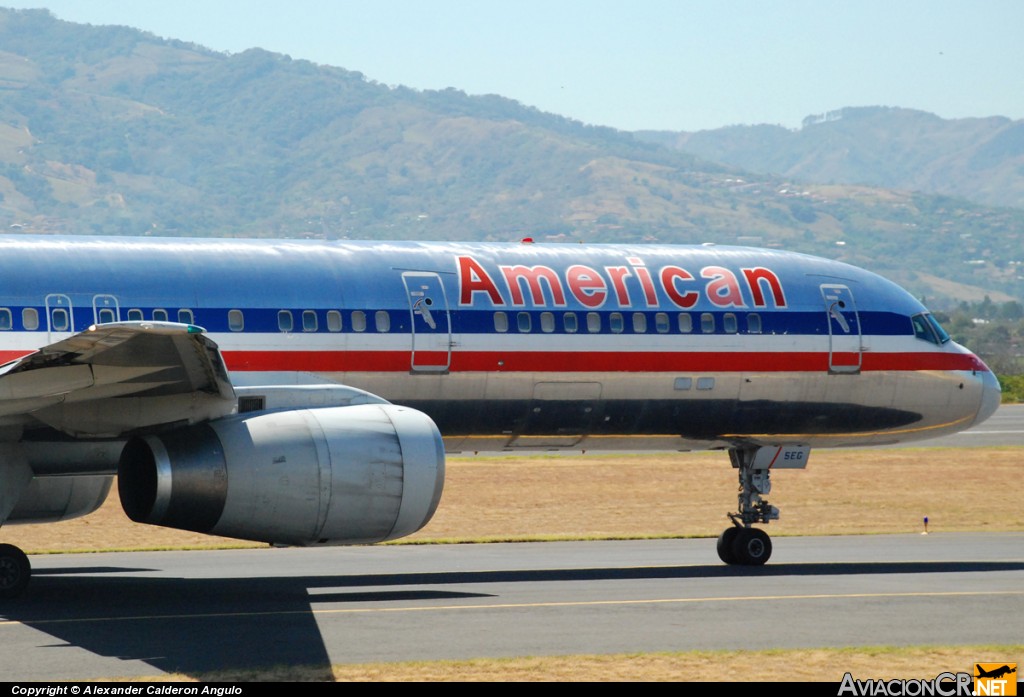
(980, 159)
(110, 130)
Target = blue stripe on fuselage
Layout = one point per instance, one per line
(265, 321)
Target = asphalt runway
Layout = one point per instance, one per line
(136, 614)
(144, 614)
(1005, 427)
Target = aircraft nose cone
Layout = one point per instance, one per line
(991, 395)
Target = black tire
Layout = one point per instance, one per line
(15, 571)
(752, 547)
(725, 542)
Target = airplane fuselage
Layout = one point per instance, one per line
(305, 393)
(543, 346)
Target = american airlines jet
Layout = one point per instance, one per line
(305, 393)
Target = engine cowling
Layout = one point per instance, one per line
(49, 499)
(341, 475)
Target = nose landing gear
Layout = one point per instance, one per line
(743, 545)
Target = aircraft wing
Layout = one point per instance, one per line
(118, 377)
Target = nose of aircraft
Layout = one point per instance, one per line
(991, 394)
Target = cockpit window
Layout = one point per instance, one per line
(928, 328)
(939, 331)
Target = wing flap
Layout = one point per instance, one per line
(118, 377)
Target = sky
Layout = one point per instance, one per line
(681, 65)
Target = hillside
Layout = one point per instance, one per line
(109, 130)
(980, 159)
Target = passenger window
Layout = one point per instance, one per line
(309, 323)
(547, 322)
(382, 321)
(135, 315)
(639, 323)
(185, 317)
(30, 319)
(705, 383)
(593, 322)
(333, 321)
(236, 322)
(500, 322)
(159, 315)
(105, 316)
(661, 322)
(6, 322)
(59, 321)
(707, 323)
(284, 320)
(685, 323)
(359, 321)
(570, 323)
(729, 323)
(615, 322)
(523, 322)
(683, 383)
(754, 323)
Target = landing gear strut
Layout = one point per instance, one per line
(741, 544)
(15, 570)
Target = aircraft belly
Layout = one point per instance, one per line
(493, 411)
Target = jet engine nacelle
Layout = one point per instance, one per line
(341, 475)
(49, 499)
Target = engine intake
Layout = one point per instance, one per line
(341, 475)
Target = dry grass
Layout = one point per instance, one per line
(810, 665)
(682, 494)
(688, 494)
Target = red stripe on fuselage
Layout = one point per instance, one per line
(8, 356)
(587, 362)
(579, 362)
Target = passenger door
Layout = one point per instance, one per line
(105, 309)
(844, 335)
(60, 317)
(430, 332)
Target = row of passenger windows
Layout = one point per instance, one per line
(60, 317)
(309, 321)
(594, 322)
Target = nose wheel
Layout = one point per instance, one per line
(744, 546)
